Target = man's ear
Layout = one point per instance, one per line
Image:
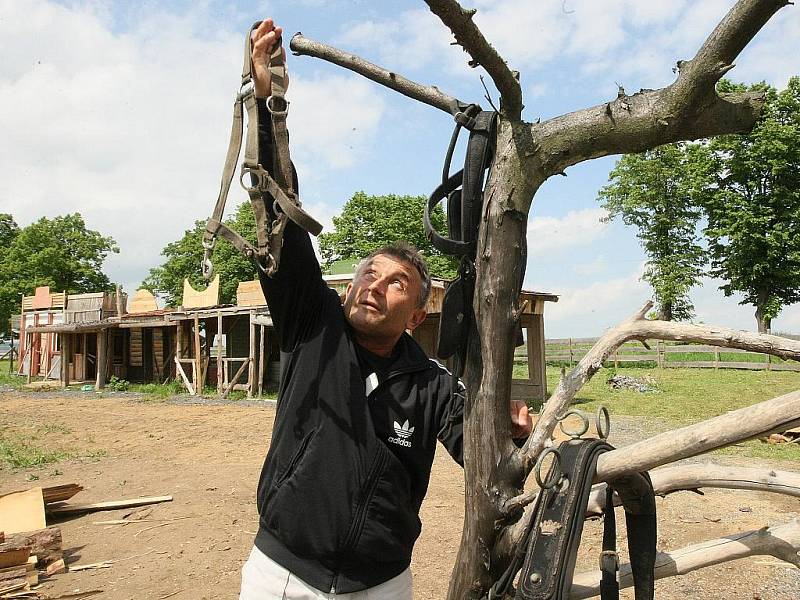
(416, 319)
(347, 291)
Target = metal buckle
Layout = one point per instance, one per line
(605, 557)
(464, 120)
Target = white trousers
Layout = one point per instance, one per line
(264, 579)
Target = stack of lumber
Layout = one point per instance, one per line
(30, 549)
(26, 543)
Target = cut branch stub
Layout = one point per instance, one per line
(429, 94)
(469, 37)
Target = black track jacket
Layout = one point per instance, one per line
(349, 462)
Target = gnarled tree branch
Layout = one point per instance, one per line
(469, 37)
(782, 542)
(686, 110)
(668, 480)
(427, 94)
(639, 328)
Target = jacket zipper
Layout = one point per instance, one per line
(301, 450)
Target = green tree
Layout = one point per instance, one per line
(59, 252)
(183, 259)
(369, 222)
(750, 193)
(652, 192)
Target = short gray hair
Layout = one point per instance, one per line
(404, 252)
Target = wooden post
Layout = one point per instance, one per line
(716, 358)
(85, 356)
(198, 358)
(236, 377)
(569, 345)
(66, 347)
(100, 361)
(118, 300)
(11, 365)
(219, 352)
(261, 344)
(251, 371)
(769, 362)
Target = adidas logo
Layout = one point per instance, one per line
(403, 432)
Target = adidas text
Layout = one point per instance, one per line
(400, 442)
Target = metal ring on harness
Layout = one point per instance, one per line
(253, 173)
(601, 417)
(577, 434)
(551, 480)
(281, 112)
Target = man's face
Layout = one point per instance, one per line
(381, 302)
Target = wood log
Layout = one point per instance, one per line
(782, 542)
(13, 554)
(44, 543)
(55, 568)
(693, 477)
(11, 573)
(110, 505)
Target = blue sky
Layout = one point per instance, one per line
(121, 111)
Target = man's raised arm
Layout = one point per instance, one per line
(294, 295)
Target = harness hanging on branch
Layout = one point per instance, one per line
(463, 192)
(262, 187)
(545, 558)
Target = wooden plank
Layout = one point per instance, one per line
(22, 511)
(143, 301)
(136, 355)
(194, 299)
(109, 505)
(42, 298)
(249, 293)
(235, 378)
(186, 382)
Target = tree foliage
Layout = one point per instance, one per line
(750, 192)
(59, 252)
(183, 259)
(369, 222)
(652, 192)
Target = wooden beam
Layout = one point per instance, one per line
(261, 343)
(251, 372)
(102, 354)
(66, 350)
(219, 352)
(198, 358)
(235, 378)
(186, 382)
(110, 505)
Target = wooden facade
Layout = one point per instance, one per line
(231, 347)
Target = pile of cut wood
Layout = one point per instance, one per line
(29, 549)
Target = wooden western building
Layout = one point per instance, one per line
(204, 344)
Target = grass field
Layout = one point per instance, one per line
(686, 396)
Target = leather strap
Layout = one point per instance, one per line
(261, 187)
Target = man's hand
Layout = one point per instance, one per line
(263, 41)
(521, 422)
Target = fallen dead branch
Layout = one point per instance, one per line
(782, 542)
(110, 505)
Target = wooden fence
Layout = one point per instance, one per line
(568, 351)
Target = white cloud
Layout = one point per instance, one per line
(576, 228)
(131, 128)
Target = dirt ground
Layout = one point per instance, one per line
(208, 456)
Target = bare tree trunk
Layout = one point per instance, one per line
(762, 320)
(487, 443)
(665, 311)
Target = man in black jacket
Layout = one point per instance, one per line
(359, 412)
